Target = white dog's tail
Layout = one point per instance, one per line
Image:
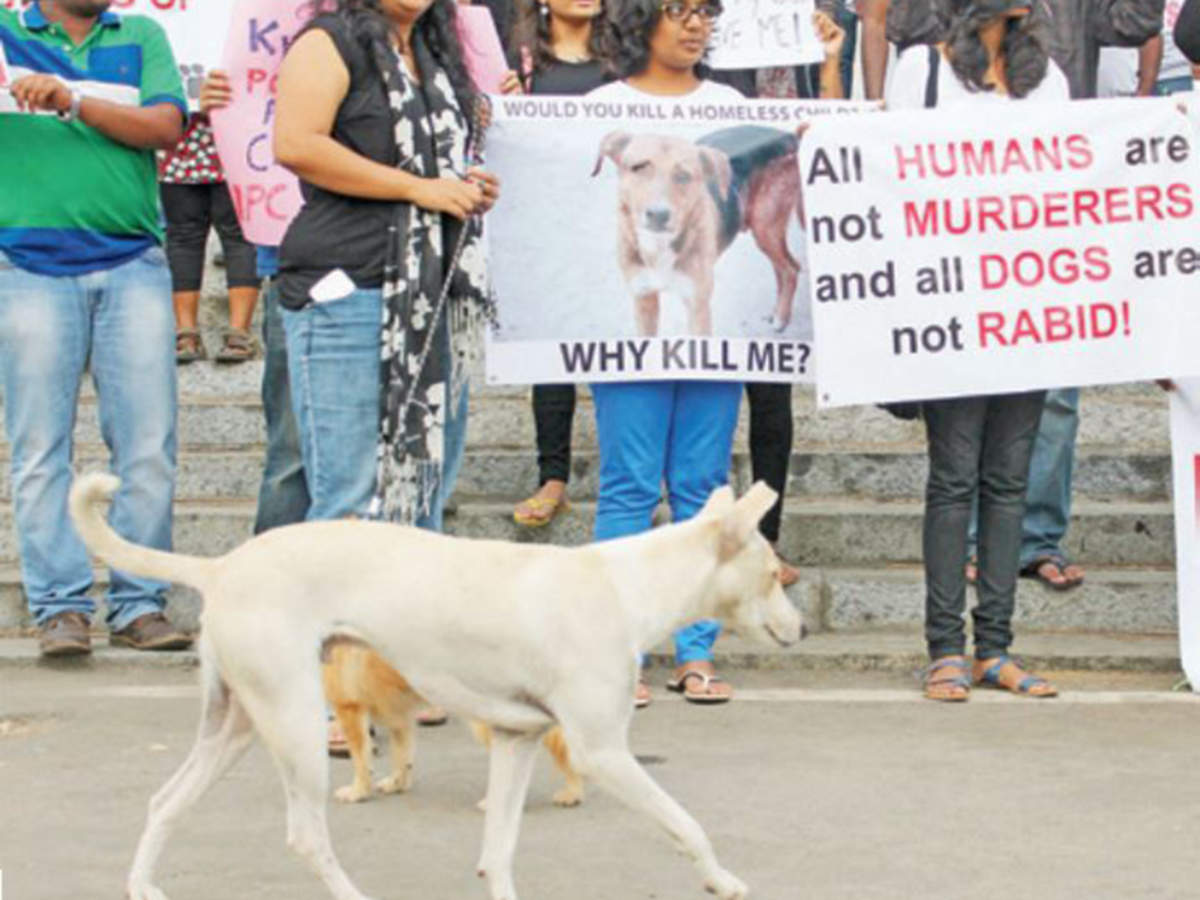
(86, 493)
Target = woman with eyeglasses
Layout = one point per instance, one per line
(677, 432)
(557, 47)
(995, 54)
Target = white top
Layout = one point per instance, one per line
(906, 89)
(706, 92)
(1118, 74)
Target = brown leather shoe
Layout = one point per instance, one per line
(150, 632)
(66, 634)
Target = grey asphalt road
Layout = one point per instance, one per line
(817, 786)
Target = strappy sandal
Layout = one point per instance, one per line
(538, 511)
(988, 672)
(703, 696)
(1037, 569)
(237, 346)
(188, 346)
(947, 688)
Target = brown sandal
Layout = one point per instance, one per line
(238, 346)
(188, 346)
(940, 685)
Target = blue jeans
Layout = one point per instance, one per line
(283, 495)
(680, 432)
(1048, 499)
(122, 320)
(334, 368)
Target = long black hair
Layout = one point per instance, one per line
(1026, 57)
(630, 27)
(532, 30)
(434, 29)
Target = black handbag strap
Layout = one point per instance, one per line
(931, 82)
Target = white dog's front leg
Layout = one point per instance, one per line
(510, 768)
(618, 772)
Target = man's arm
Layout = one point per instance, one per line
(1150, 58)
(156, 127)
(1125, 23)
(873, 16)
(1187, 30)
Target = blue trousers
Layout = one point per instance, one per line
(334, 368)
(283, 495)
(653, 432)
(119, 323)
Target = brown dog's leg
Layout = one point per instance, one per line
(645, 308)
(772, 199)
(355, 725)
(571, 793)
(398, 711)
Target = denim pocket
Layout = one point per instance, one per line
(155, 256)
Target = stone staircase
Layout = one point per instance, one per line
(852, 519)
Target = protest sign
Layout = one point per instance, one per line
(1185, 451)
(481, 47)
(619, 249)
(265, 195)
(978, 253)
(754, 33)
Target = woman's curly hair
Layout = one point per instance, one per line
(1026, 57)
(532, 30)
(435, 28)
(630, 26)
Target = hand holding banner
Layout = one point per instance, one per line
(963, 254)
(266, 195)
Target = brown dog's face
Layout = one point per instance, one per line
(664, 181)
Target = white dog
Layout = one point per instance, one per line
(483, 628)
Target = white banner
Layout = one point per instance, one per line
(1185, 452)
(980, 253)
(651, 239)
(754, 33)
(196, 29)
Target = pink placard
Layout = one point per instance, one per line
(481, 47)
(266, 195)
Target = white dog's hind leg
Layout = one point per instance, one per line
(290, 721)
(225, 733)
(615, 769)
(510, 768)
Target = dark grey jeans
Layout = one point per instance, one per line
(978, 446)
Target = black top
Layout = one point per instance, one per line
(335, 231)
(561, 77)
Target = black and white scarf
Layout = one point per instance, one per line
(424, 366)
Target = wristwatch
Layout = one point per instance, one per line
(71, 113)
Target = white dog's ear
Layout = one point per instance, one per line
(719, 502)
(612, 146)
(716, 166)
(741, 522)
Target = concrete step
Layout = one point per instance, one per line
(1114, 600)
(220, 406)
(503, 475)
(890, 652)
(815, 533)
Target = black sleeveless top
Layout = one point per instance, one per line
(334, 231)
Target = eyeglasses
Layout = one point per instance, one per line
(679, 11)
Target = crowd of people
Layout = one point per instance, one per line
(373, 302)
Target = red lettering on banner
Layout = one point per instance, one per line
(1053, 324)
(987, 159)
(1030, 268)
